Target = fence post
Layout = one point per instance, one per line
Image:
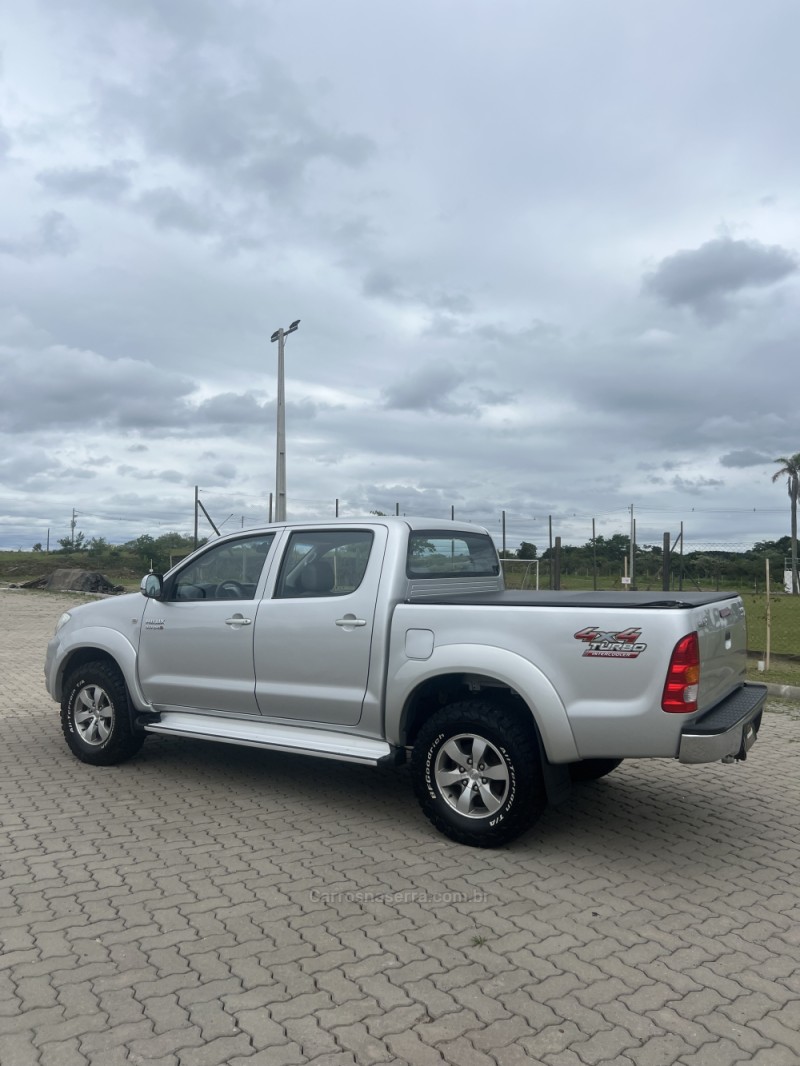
(556, 582)
(769, 623)
(680, 578)
(665, 567)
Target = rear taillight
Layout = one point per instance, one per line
(683, 677)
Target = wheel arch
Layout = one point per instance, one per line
(101, 645)
(493, 673)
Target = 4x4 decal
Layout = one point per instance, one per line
(611, 644)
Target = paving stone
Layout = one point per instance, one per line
(366, 1048)
(218, 1052)
(70, 1027)
(775, 1055)
(263, 1030)
(283, 1055)
(409, 1048)
(312, 1039)
(64, 1053)
(120, 1034)
(448, 1026)
(461, 1052)
(552, 1040)
(500, 1034)
(781, 1028)
(651, 922)
(605, 1044)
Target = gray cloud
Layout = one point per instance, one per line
(5, 142)
(744, 457)
(54, 235)
(387, 286)
(695, 486)
(703, 278)
(169, 209)
(255, 126)
(429, 389)
(108, 182)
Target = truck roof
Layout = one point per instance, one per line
(414, 523)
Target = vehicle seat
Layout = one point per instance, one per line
(316, 579)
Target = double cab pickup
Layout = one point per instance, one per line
(392, 639)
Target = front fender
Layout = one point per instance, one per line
(509, 669)
(102, 639)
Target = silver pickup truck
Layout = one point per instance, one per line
(393, 638)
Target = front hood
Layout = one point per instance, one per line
(108, 612)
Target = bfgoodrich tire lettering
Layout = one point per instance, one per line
(477, 774)
(95, 716)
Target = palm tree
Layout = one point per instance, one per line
(791, 468)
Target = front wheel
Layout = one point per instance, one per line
(95, 718)
(477, 773)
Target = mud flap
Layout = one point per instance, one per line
(557, 780)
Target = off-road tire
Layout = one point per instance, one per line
(514, 788)
(592, 769)
(95, 716)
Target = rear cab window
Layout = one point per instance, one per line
(438, 553)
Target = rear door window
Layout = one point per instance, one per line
(324, 563)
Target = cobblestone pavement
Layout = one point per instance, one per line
(208, 905)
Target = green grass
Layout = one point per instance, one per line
(781, 671)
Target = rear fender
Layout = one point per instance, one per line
(506, 668)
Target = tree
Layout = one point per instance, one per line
(790, 469)
(74, 543)
(526, 550)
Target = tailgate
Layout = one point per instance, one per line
(722, 636)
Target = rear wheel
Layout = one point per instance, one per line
(477, 773)
(592, 769)
(95, 716)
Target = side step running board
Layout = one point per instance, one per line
(323, 743)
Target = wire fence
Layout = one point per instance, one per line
(628, 548)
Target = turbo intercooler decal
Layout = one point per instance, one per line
(613, 644)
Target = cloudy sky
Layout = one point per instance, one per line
(546, 257)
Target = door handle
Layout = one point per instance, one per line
(238, 621)
(351, 622)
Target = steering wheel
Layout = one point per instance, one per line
(229, 590)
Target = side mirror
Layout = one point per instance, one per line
(152, 586)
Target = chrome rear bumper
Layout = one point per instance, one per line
(727, 731)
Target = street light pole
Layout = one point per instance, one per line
(280, 445)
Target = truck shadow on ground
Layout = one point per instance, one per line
(647, 811)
